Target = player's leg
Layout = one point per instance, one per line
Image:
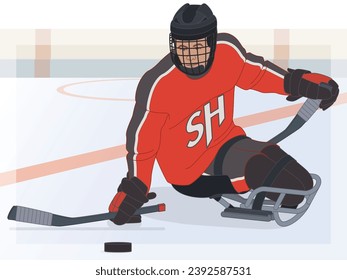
(274, 167)
(250, 164)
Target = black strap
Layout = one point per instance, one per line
(218, 163)
(260, 197)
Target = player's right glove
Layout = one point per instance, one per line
(132, 194)
(299, 83)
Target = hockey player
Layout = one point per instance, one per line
(183, 118)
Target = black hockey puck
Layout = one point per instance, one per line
(117, 247)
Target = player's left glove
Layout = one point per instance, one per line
(299, 83)
(131, 195)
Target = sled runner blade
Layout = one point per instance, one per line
(248, 214)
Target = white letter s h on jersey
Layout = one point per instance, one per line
(208, 115)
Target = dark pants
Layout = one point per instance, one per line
(243, 164)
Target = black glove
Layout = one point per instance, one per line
(131, 195)
(299, 83)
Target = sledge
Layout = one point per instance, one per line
(254, 205)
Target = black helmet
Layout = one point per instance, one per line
(193, 38)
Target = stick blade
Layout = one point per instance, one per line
(31, 216)
(12, 214)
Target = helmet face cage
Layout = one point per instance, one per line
(193, 56)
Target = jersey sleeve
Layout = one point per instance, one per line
(253, 71)
(143, 139)
(261, 75)
(143, 136)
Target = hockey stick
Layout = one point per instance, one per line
(34, 216)
(302, 116)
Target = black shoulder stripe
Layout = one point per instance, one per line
(249, 57)
(149, 78)
(232, 40)
(140, 112)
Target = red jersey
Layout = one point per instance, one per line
(182, 121)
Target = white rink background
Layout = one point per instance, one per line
(319, 235)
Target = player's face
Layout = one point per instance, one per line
(193, 53)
